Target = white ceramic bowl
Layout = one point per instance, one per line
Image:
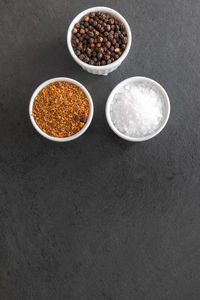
(99, 70)
(87, 124)
(165, 100)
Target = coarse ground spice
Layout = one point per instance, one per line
(61, 109)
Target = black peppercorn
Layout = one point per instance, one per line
(82, 31)
(108, 52)
(101, 49)
(107, 27)
(78, 52)
(77, 25)
(111, 21)
(83, 50)
(86, 18)
(92, 14)
(74, 30)
(91, 33)
(114, 41)
(91, 40)
(82, 56)
(76, 41)
(86, 59)
(91, 21)
(116, 35)
(100, 39)
(108, 44)
(110, 37)
(125, 40)
(100, 55)
(106, 57)
(123, 46)
(79, 47)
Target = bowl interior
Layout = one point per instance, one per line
(106, 10)
(159, 89)
(64, 139)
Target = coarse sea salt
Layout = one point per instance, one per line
(137, 109)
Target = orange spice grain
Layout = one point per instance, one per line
(61, 109)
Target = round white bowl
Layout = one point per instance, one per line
(165, 99)
(99, 70)
(64, 139)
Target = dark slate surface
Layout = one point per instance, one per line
(99, 218)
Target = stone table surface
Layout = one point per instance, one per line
(100, 218)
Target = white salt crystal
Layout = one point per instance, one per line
(137, 110)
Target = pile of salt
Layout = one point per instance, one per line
(137, 110)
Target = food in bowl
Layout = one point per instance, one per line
(137, 109)
(61, 109)
(99, 39)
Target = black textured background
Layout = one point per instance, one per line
(100, 218)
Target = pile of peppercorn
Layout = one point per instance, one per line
(99, 39)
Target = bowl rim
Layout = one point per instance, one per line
(110, 99)
(112, 12)
(64, 139)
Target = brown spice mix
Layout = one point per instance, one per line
(61, 109)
